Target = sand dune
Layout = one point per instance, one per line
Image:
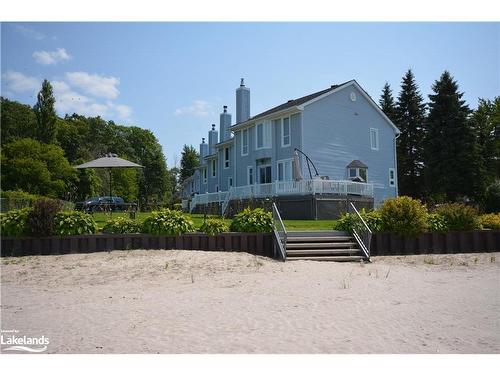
(201, 302)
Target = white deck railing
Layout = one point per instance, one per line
(281, 188)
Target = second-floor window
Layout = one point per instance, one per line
(244, 142)
(374, 138)
(285, 132)
(213, 168)
(263, 135)
(226, 157)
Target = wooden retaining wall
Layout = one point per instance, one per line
(480, 241)
(477, 241)
(253, 243)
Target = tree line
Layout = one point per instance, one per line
(39, 150)
(446, 152)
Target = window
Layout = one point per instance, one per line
(392, 177)
(244, 142)
(230, 182)
(249, 175)
(285, 170)
(358, 173)
(216, 188)
(263, 136)
(265, 174)
(204, 175)
(226, 158)
(285, 132)
(374, 138)
(213, 168)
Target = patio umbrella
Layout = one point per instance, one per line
(297, 170)
(109, 161)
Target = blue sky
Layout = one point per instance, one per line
(174, 78)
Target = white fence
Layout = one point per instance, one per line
(282, 188)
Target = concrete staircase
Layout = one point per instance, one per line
(323, 245)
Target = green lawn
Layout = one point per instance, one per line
(291, 225)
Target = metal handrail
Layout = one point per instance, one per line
(364, 237)
(280, 239)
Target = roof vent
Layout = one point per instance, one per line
(225, 108)
(333, 86)
(291, 100)
(242, 82)
(213, 126)
(203, 140)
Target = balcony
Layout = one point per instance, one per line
(284, 188)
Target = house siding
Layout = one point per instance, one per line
(336, 131)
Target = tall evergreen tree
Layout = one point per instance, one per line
(45, 114)
(451, 153)
(486, 123)
(410, 115)
(189, 161)
(387, 103)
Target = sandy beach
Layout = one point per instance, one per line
(209, 302)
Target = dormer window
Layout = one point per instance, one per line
(357, 171)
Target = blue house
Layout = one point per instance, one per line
(312, 156)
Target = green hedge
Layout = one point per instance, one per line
(70, 223)
(256, 220)
(213, 227)
(168, 222)
(122, 225)
(13, 223)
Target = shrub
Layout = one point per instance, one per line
(490, 221)
(256, 220)
(213, 227)
(178, 206)
(459, 217)
(404, 216)
(13, 223)
(70, 223)
(167, 222)
(41, 218)
(349, 221)
(122, 225)
(437, 223)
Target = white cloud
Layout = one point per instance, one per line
(122, 111)
(199, 108)
(18, 82)
(70, 101)
(29, 32)
(94, 84)
(51, 57)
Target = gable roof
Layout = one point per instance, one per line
(356, 164)
(290, 104)
(303, 101)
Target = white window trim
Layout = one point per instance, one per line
(214, 168)
(283, 161)
(357, 173)
(377, 146)
(392, 181)
(264, 166)
(248, 175)
(266, 128)
(243, 153)
(227, 161)
(282, 121)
